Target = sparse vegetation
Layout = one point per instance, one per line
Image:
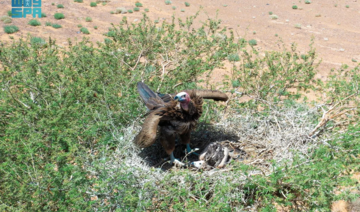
(48, 23)
(187, 4)
(347, 6)
(52, 4)
(146, 9)
(270, 13)
(252, 42)
(93, 4)
(182, 10)
(138, 4)
(43, 15)
(88, 19)
(294, 7)
(121, 10)
(79, 1)
(9, 13)
(307, 2)
(298, 26)
(136, 9)
(11, 29)
(95, 27)
(69, 116)
(59, 16)
(6, 19)
(168, 2)
(318, 15)
(274, 17)
(130, 11)
(60, 6)
(79, 25)
(84, 30)
(112, 12)
(56, 26)
(34, 22)
(37, 41)
(173, 7)
(354, 60)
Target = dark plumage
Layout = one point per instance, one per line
(175, 114)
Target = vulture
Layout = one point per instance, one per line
(174, 114)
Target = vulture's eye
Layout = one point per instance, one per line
(184, 95)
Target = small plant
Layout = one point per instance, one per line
(274, 17)
(182, 10)
(43, 15)
(187, 4)
(107, 41)
(138, 4)
(59, 16)
(233, 58)
(9, 13)
(270, 13)
(146, 10)
(56, 26)
(48, 24)
(156, 21)
(6, 19)
(335, 5)
(112, 12)
(168, 2)
(34, 22)
(307, 2)
(354, 60)
(84, 30)
(103, 4)
(136, 9)
(79, 1)
(298, 26)
(79, 25)
(252, 42)
(318, 15)
(347, 6)
(11, 37)
(93, 4)
(121, 10)
(276, 35)
(11, 29)
(52, 4)
(95, 27)
(60, 6)
(254, 32)
(88, 19)
(130, 11)
(173, 7)
(37, 41)
(294, 7)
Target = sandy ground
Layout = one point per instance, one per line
(334, 25)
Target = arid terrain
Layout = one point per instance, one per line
(333, 24)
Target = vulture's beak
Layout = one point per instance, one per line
(176, 98)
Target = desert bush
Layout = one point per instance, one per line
(93, 4)
(37, 41)
(9, 13)
(11, 29)
(294, 7)
(59, 16)
(88, 19)
(6, 19)
(95, 27)
(121, 10)
(43, 15)
(252, 42)
(138, 4)
(56, 26)
(84, 30)
(48, 23)
(187, 4)
(307, 2)
(60, 6)
(168, 2)
(79, 1)
(146, 10)
(136, 9)
(130, 11)
(34, 22)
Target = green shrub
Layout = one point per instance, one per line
(34, 22)
(56, 26)
(10, 29)
(84, 30)
(121, 10)
(95, 27)
(252, 42)
(43, 15)
(168, 2)
(9, 13)
(59, 16)
(130, 11)
(136, 9)
(307, 2)
(60, 6)
(88, 19)
(146, 9)
(112, 12)
(93, 4)
(48, 23)
(187, 4)
(270, 13)
(79, 1)
(79, 25)
(182, 10)
(347, 6)
(173, 7)
(52, 4)
(294, 7)
(138, 4)
(274, 17)
(37, 41)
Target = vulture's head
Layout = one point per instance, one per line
(184, 100)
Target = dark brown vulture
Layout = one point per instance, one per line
(174, 114)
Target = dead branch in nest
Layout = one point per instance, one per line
(332, 113)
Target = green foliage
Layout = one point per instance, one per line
(48, 23)
(270, 13)
(56, 26)
(182, 10)
(347, 6)
(138, 4)
(252, 42)
(79, 1)
(136, 9)
(95, 27)
(79, 25)
(130, 11)
(59, 16)
(34, 22)
(173, 7)
(294, 7)
(52, 4)
(88, 19)
(11, 29)
(168, 2)
(187, 4)
(93, 4)
(37, 41)
(146, 10)
(60, 6)
(274, 17)
(9, 13)
(307, 2)
(43, 15)
(84, 30)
